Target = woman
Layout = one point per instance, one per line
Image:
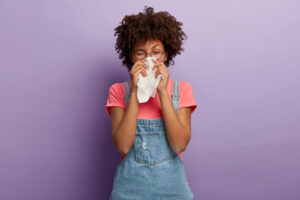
(151, 136)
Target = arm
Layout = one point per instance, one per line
(124, 121)
(178, 127)
(124, 124)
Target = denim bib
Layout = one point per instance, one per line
(151, 170)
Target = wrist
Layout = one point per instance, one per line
(162, 91)
(134, 90)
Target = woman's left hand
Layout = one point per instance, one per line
(161, 69)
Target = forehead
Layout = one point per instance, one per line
(149, 44)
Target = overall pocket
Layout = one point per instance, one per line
(151, 148)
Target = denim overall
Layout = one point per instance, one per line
(151, 170)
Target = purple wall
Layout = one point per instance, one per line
(57, 62)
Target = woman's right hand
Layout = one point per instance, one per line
(138, 67)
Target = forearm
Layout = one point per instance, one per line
(175, 130)
(125, 133)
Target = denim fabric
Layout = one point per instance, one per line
(151, 170)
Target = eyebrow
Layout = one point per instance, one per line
(152, 47)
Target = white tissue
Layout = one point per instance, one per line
(147, 85)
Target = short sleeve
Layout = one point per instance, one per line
(115, 97)
(186, 98)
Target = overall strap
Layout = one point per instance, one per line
(175, 95)
(127, 93)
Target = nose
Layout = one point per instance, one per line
(147, 55)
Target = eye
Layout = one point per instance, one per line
(139, 53)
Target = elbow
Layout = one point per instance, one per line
(179, 149)
(182, 147)
(123, 150)
(120, 146)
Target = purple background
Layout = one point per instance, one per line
(58, 60)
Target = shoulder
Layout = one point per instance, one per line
(186, 98)
(182, 83)
(184, 86)
(115, 96)
(117, 88)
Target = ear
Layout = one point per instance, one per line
(166, 57)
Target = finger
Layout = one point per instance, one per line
(158, 66)
(134, 68)
(162, 65)
(141, 64)
(157, 62)
(137, 72)
(155, 66)
(158, 71)
(142, 71)
(138, 66)
(138, 63)
(163, 68)
(141, 61)
(164, 74)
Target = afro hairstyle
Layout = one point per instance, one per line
(135, 29)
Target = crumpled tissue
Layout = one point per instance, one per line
(147, 85)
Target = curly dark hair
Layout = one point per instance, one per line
(149, 25)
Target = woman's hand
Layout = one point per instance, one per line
(161, 69)
(138, 67)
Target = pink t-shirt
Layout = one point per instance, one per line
(152, 108)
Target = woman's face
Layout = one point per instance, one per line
(149, 46)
